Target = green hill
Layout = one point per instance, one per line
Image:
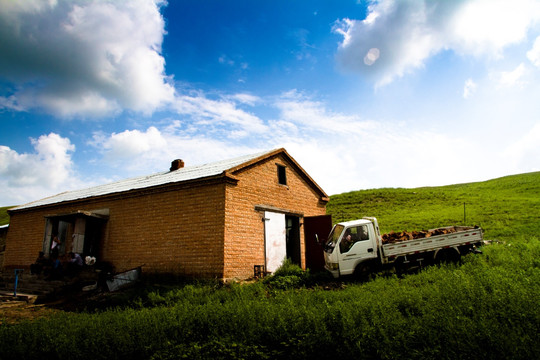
(503, 207)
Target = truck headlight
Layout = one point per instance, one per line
(333, 266)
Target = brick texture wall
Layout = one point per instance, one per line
(179, 231)
(244, 228)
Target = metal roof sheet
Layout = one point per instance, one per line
(184, 174)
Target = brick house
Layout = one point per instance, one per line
(217, 220)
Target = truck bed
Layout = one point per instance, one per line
(463, 236)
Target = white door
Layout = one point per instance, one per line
(275, 240)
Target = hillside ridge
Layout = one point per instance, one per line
(460, 204)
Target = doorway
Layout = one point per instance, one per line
(80, 232)
(292, 233)
(282, 239)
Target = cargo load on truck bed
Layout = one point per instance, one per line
(393, 237)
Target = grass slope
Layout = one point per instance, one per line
(503, 207)
(486, 307)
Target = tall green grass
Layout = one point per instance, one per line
(486, 307)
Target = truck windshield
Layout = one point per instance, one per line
(333, 238)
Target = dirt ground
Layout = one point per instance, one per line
(12, 312)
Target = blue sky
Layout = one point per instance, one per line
(363, 94)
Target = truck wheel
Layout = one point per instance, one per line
(399, 266)
(445, 256)
(362, 272)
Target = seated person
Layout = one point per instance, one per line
(41, 263)
(56, 269)
(75, 263)
(347, 242)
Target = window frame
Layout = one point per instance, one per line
(282, 174)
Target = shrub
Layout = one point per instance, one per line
(287, 276)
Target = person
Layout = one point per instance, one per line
(346, 242)
(56, 269)
(40, 264)
(75, 263)
(55, 246)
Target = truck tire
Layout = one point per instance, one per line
(445, 256)
(363, 271)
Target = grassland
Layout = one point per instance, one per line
(486, 307)
(504, 207)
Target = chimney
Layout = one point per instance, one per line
(177, 164)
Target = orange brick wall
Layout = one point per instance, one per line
(174, 232)
(244, 228)
(24, 239)
(177, 231)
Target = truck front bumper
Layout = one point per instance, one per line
(333, 268)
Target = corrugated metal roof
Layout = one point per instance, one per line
(142, 182)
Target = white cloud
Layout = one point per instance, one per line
(391, 156)
(48, 170)
(312, 115)
(487, 26)
(400, 33)
(247, 99)
(534, 53)
(87, 58)
(469, 88)
(221, 113)
(144, 152)
(343, 153)
(132, 147)
(525, 152)
(512, 78)
(224, 59)
(406, 33)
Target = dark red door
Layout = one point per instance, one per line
(316, 227)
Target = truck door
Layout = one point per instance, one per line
(355, 246)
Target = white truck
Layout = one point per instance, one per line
(356, 247)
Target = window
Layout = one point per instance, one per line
(352, 236)
(333, 238)
(282, 175)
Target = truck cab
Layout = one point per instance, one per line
(351, 244)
